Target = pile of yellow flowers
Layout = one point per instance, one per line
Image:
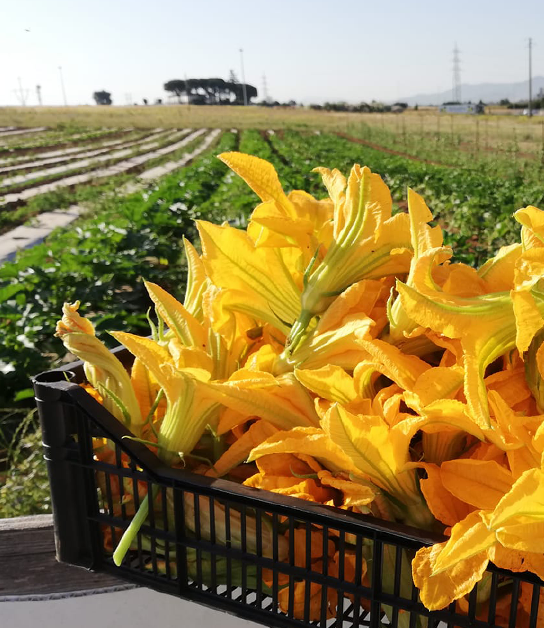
(338, 349)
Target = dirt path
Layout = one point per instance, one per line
(391, 151)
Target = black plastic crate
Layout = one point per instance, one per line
(246, 551)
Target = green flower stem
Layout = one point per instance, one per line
(134, 527)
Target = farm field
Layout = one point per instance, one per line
(141, 188)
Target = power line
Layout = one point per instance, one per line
(530, 77)
(21, 93)
(456, 89)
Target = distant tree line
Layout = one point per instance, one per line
(102, 97)
(363, 107)
(536, 103)
(211, 91)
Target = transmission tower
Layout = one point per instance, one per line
(21, 94)
(530, 77)
(39, 94)
(266, 95)
(456, 91)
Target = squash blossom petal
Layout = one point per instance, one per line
(102, 369)
(368, 243)
(233, 262)
(485, 326)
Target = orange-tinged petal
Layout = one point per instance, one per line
(525, 498)
(145, 386)
(437, 590)
(355, 494)
(403, 369)
(315, 538)
(359, 298)
(481, 483)
(282, 401)
(445, 507)
(298, 605)
(510, 384)
(310, 441)
(307, 489)
(463, 281)
(287, 464)
(329, 382)
(526, 536)
(440, 382)
(238, 452)
(469, 538)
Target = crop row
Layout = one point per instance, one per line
(134, 159)
(474, 208)
(16, 145)
(109, 154)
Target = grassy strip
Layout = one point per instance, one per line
(504, 159)
(24, 485)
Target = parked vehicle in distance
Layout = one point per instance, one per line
(462, 108)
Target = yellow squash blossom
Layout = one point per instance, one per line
(102, 369)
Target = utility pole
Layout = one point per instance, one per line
(530, 78)
(243, 76)
(62, 85)
(456, 91)
(21, 93)
(266, 96)
(39, 94)
(187, 90)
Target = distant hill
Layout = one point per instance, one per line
(488, 92)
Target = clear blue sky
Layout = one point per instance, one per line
(310, 51)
